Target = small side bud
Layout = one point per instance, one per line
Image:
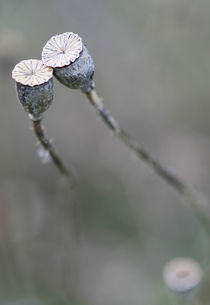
(72, 63)
(182, 275)
(34, 85)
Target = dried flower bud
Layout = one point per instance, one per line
(72, 63)
(34, 84)
(182, 274)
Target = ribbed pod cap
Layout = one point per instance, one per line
(72, 63)
(34, 85)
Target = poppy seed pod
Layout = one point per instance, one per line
(71, 62)
(34, 85)
(182, 274)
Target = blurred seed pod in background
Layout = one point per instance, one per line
(34, 84)
(182, 275)
(72, 63)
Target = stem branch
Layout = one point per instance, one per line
(196, 200)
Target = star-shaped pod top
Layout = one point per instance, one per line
(34, 86)
(62, 50)
(31, 72)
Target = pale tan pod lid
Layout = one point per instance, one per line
(32, 72)
(61, 50)
(182, 274)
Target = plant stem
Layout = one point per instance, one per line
(38, 130)
(196, 200)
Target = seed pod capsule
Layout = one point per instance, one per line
(34, 85)
(72, 63)
(182, 274)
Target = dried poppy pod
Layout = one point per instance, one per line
(182, 274)
(34, 84)
(72, 63)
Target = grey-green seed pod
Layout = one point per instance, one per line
(34, 85)
(72, 63)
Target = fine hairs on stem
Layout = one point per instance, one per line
(73, 66)
(39, 132)
(197, 201)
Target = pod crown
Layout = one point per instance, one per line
(61, 50)
(31, 72)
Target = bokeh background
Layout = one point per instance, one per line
(152, 62)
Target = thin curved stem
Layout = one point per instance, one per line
(196, 200)
(38, 130)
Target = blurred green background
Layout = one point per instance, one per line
(152, 62)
